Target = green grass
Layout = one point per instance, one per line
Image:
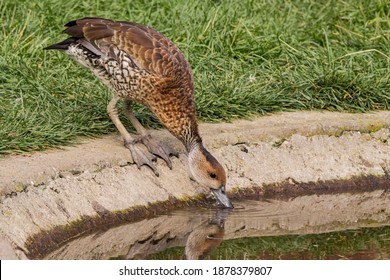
(248, 57)
(364, 243)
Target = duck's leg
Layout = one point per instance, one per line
(140, 156)
(155, 147)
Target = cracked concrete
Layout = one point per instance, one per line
(41, 191)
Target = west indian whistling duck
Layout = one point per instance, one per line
(140, 64)
(207, 236)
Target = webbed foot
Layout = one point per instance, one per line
(142, 157)
(159, 149)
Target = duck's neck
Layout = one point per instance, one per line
(192, 142)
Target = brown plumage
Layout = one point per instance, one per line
(140, 64)
(206, 237)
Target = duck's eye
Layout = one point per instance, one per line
(213, 175)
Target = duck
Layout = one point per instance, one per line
(203, 240)
(139, 64)
(207, 236)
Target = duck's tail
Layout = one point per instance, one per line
(64, 45)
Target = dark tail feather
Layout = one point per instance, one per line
(62, 45)
(75, 31)
(71, 23)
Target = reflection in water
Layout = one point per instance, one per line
(207, 236)
(302, 227)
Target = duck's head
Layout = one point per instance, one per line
(208, 172)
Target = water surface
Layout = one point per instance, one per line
(338, 226)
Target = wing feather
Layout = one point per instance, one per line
(149, 49)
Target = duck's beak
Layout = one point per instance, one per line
(221, 197)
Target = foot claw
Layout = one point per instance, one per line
(154, 148)
(141, 157)
(159, 149)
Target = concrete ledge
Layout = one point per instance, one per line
(42, 191)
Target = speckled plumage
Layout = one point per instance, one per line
(140, 64)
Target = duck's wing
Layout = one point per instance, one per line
(149, 49)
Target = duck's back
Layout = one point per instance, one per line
(137, 63)
(132, 54)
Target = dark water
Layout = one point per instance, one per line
(340, 226)
(314, 239)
